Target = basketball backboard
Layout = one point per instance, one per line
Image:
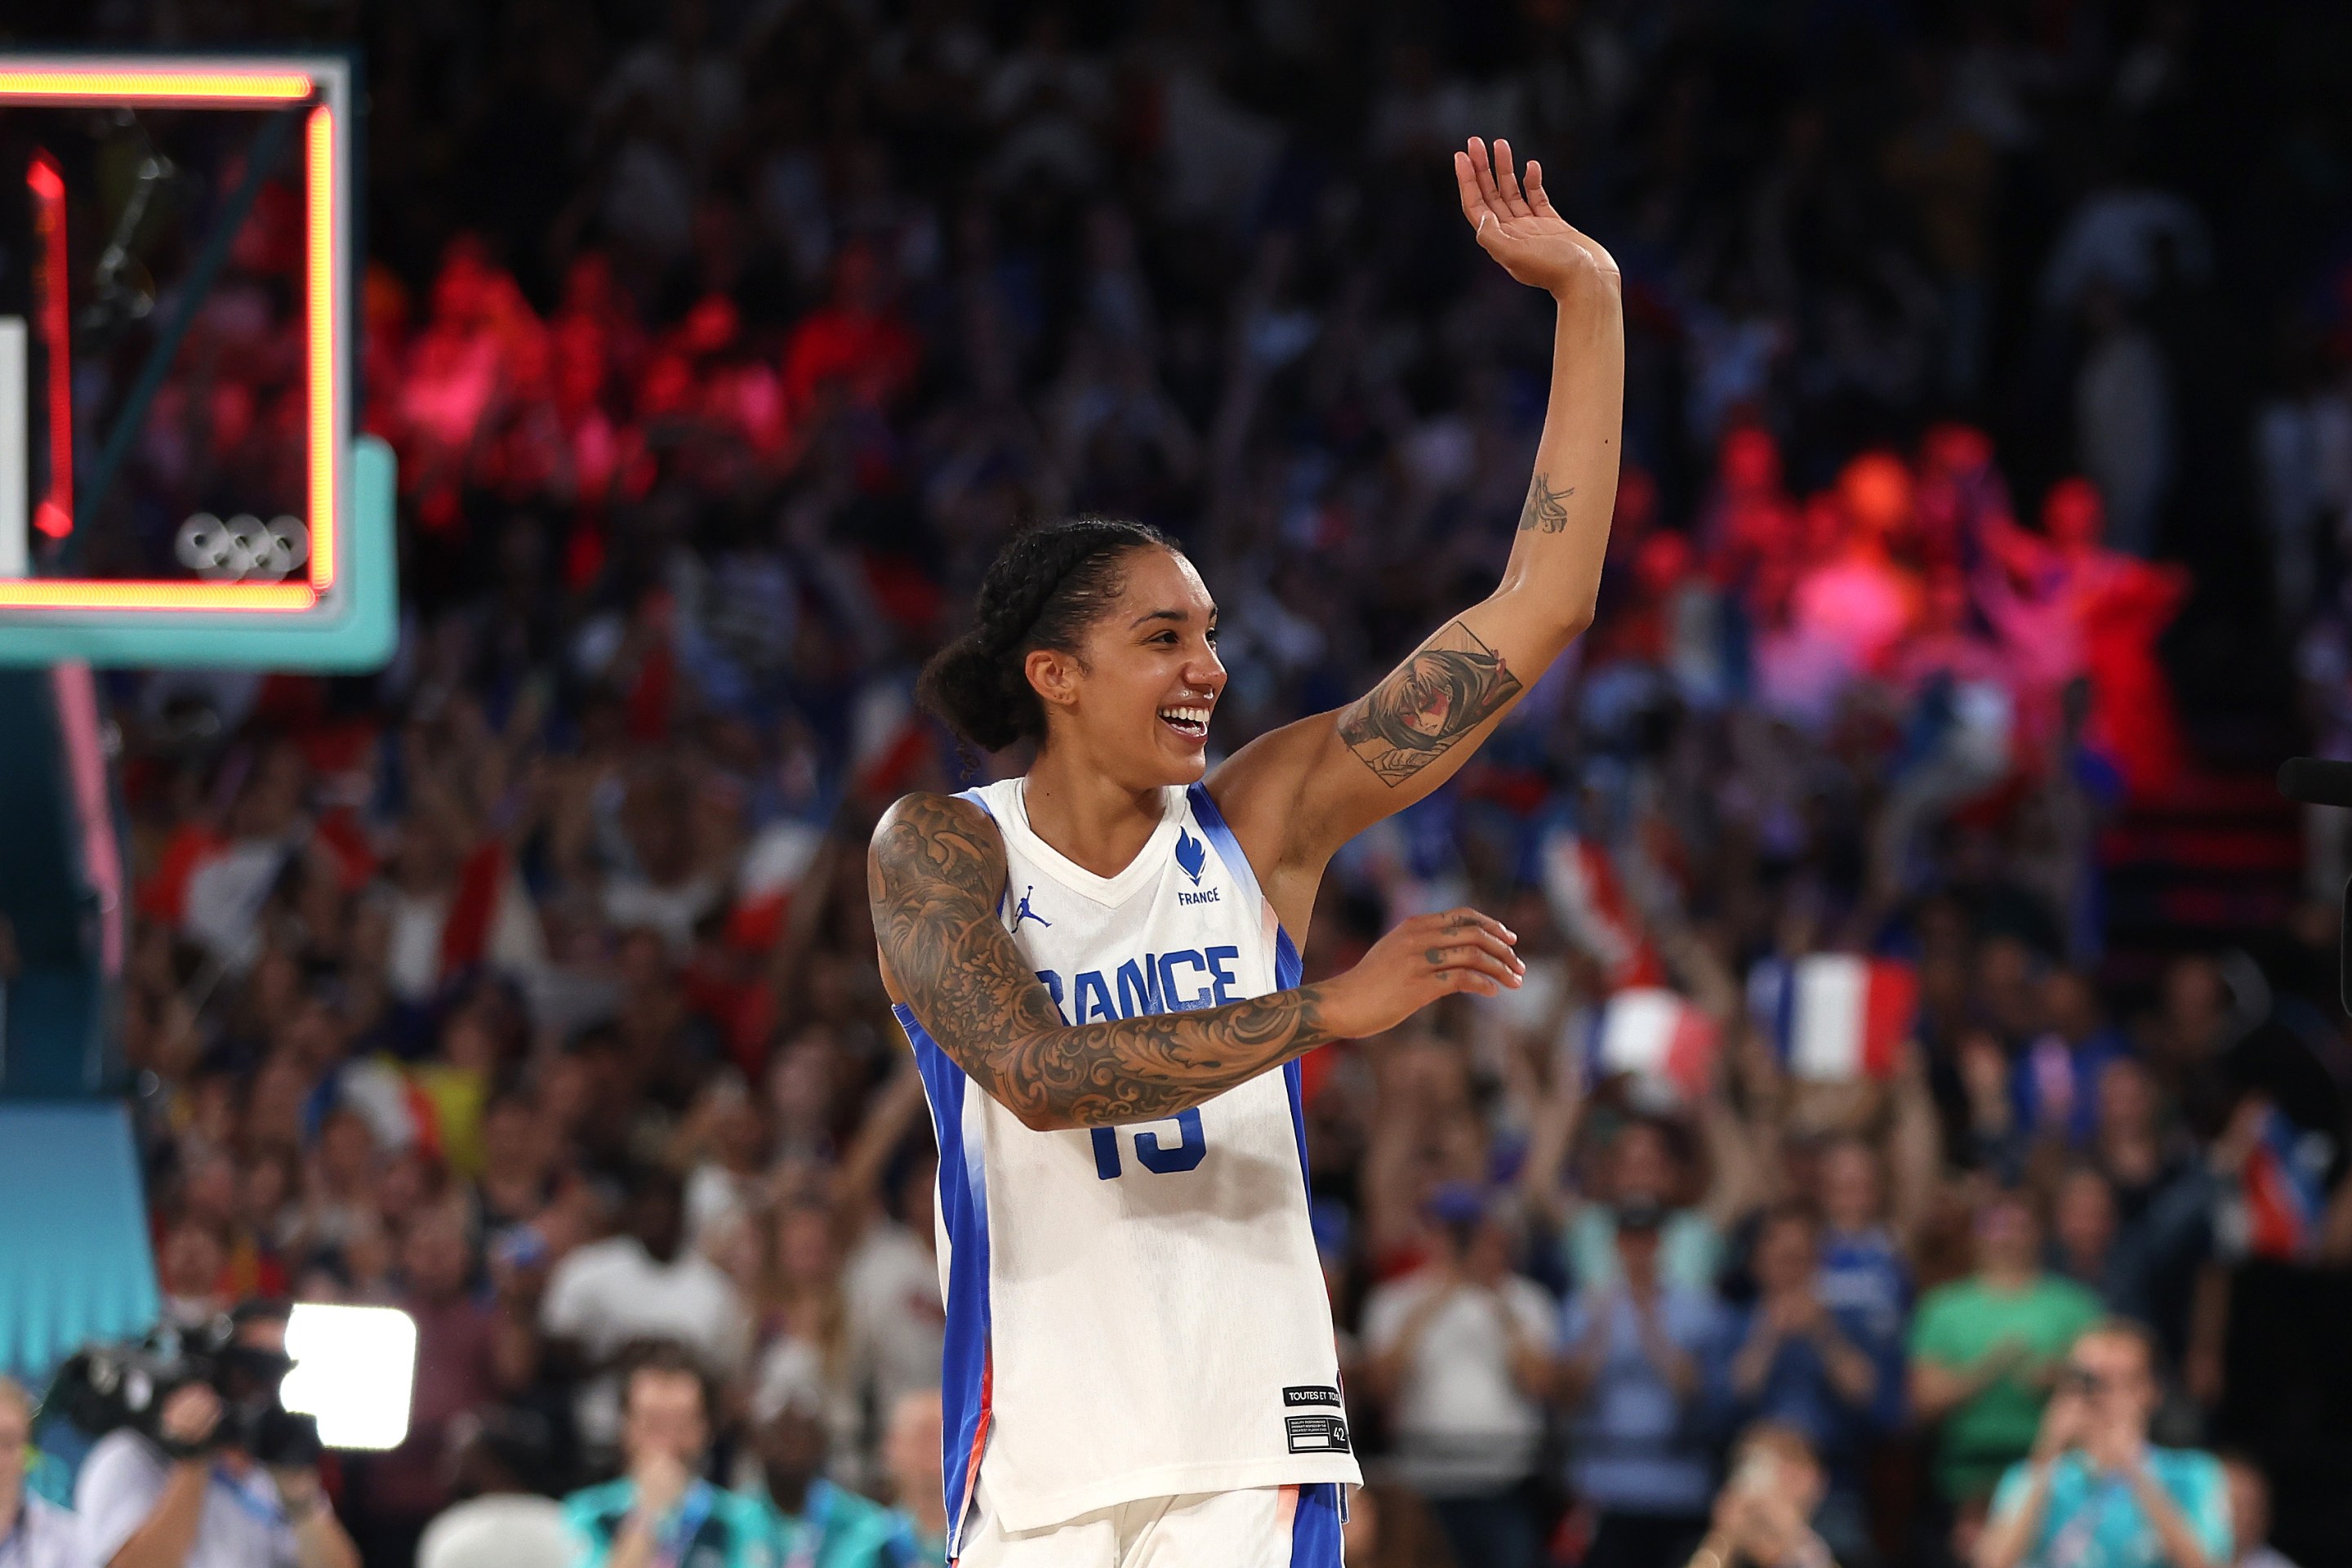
(178, 480)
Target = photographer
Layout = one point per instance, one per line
(2093, 1490)
(197, 1499)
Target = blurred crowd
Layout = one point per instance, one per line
(529, 985)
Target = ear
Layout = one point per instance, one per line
(1054, 676)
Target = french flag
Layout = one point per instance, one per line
(1656, 1037)
(774, 863)
(1588, 900)
(2282, 1185)
(1835, 1016)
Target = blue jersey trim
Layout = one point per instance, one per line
(1229, 848)
(1288, 969)
(963, 1212)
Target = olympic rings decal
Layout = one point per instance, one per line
(244, 549)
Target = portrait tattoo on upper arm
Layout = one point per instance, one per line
(1451, 685)
(1546, 506)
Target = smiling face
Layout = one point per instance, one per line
(1137, 699)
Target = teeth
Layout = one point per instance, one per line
(1198, 716)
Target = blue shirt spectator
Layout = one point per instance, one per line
(1862, 1271)
(2055, 1079)
(1635, 1377)
(1829, 1373)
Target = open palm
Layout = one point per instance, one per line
(1520, 226)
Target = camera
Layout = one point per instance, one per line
(104, 1386)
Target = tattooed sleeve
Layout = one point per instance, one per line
(1451, 685)
(935, 872)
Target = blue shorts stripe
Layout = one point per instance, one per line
(1315, 1528)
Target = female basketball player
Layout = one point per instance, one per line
(1096, 965)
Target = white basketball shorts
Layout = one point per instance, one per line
(1262, 1527)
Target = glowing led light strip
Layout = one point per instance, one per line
(326, 455)
(223, 89)
(124, 594)
(81, 84)
(54, 513)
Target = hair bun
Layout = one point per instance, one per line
(1045, 589)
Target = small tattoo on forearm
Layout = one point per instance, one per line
(1451, 685)
(1547, 508)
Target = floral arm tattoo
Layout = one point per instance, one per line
(935, 875)
(1451, 685)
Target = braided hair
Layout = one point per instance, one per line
(1045, 589)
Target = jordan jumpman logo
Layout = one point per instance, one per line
(1022, 911)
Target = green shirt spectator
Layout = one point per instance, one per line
(1983, 1350)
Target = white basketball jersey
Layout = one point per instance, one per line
(1133, 1311)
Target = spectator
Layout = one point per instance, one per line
(34, 1530)
(458, 1371)
(1763, 1516)
(501, 1518)
(1984, 1350)
(2055, 1079)
(1632, 1374)
(642, 1284)
(2250, 1514)
(2093, 1488)
(1863, 1268)
(1829, 1375)
(662, 1509)
(2083, 1234)
(808, 1518)
(1460, 1354)
(199, 1503)
(1646, 1164)
(911, 1452)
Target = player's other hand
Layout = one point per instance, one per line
(1427, 957)
(1517, 223)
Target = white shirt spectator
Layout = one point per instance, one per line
(609, 1293)
(45, 1536)
(242, 1526)
(502, 1530)
(897, 1318)
(1462, 1424)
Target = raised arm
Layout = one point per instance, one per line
(1296, 794)
(935, 874)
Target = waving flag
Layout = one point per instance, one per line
(2283, 1188)
(1588, 900)
(1835, 1016)
(773, 865)
(1657, 1036)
